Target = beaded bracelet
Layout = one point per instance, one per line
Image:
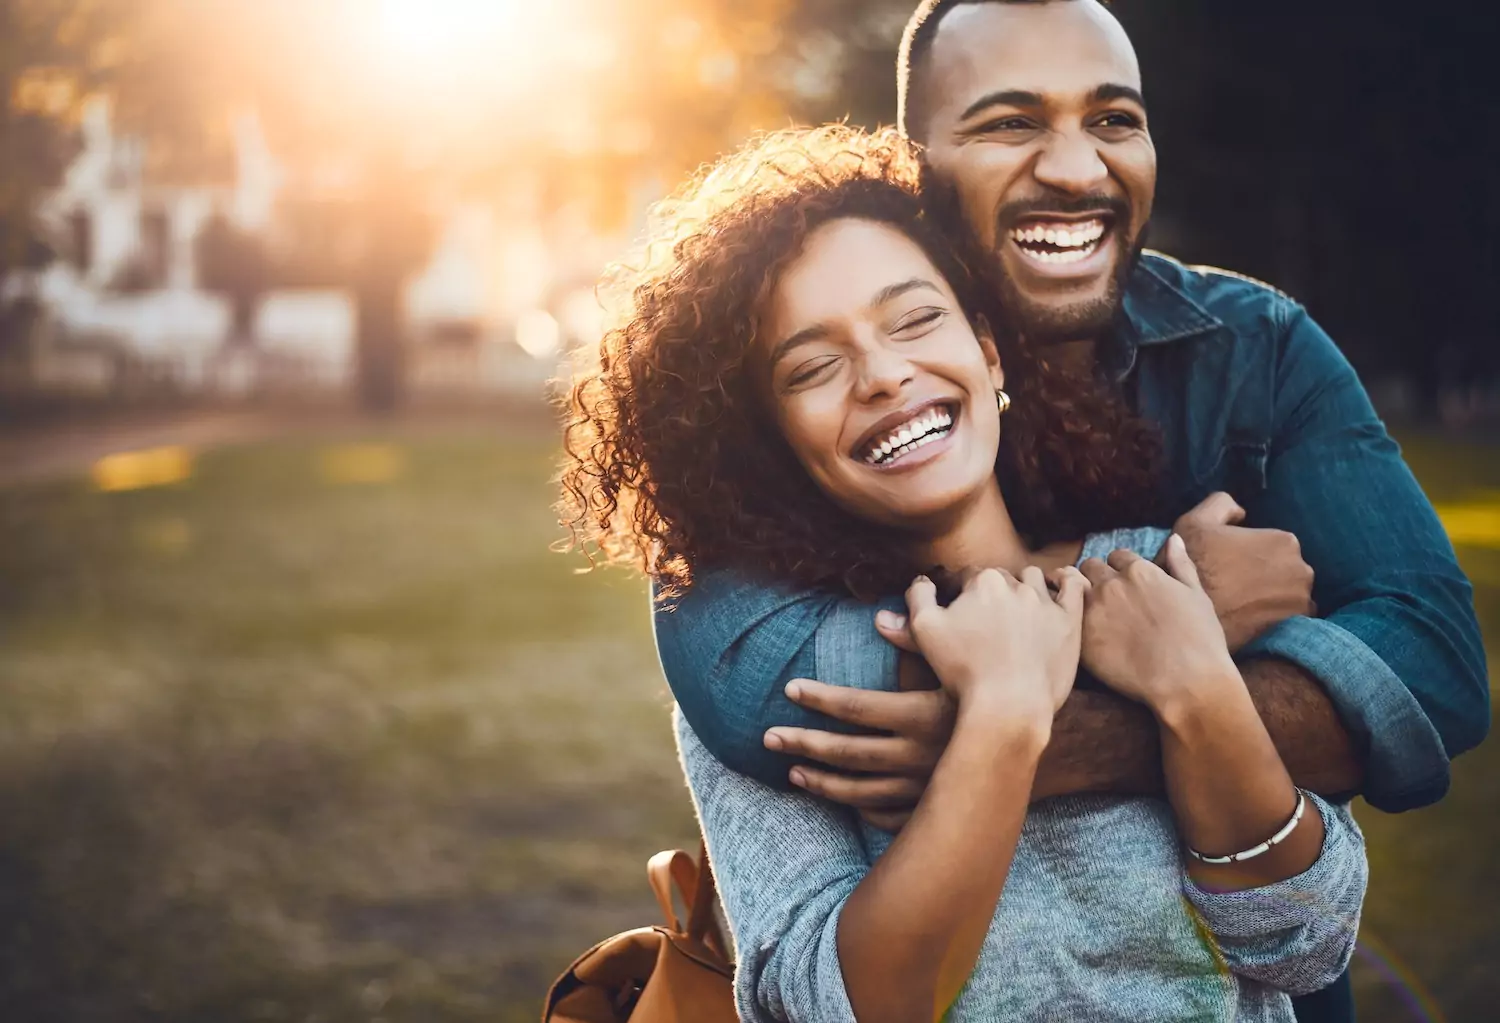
(1251, 853)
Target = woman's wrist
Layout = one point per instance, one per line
(1195, 693)
(1005, 714)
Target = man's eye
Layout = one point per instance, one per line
(1119, 120)
(1006, 124)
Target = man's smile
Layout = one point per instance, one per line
(1056, 247)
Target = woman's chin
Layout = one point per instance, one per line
(917, 510)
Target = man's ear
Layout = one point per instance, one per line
(991, 354)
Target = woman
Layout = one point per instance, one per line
(804, 385)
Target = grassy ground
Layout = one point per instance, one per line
(326, 733)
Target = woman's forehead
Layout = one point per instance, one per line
(845, 268)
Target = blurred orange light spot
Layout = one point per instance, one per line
(1472, 525)
(362, 463)
(152, 467)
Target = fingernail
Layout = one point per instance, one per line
(921, 579)
(798, 778)
(1176, 541)
(890, 620)
(794, 690)
(773, 739)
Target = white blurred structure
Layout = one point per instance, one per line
(507, 288)
(310, 331)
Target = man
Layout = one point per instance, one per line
(1035, 130)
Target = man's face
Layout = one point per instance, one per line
(1034, 120)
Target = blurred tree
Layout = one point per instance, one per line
(48, 56)
(235, 264)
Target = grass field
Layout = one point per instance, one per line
(324, 732)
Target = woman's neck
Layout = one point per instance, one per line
(983, 535)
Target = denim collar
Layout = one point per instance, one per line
(1154, 311)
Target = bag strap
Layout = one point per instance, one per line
(702, 926)
(695, 882)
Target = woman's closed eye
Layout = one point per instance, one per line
(811, 370)
(918, 323)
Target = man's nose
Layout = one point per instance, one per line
(1070, 162)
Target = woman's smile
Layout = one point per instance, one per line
(917, 436)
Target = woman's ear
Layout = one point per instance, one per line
(991, 355)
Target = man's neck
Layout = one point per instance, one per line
(1079, 356)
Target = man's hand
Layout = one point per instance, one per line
(893, 768)
(1255, 577)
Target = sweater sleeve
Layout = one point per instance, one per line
(1296, 935)
(785, 864)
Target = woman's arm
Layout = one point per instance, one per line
(1154, 637)
(1287, 916)
(912, 931)
(1007, 653)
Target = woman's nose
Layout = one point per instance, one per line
(882, 372)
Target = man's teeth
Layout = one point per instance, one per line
(1068, 243)
(911, 435)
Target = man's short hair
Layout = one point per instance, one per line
(911, 59)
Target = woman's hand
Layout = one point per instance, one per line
(1151, 634)
(1003, 639)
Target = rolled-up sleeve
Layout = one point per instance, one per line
(1400, 641)
(1405, 763)
(1296, 935)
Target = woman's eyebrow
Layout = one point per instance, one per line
(891, 291)
(816, 332)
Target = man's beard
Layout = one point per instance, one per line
(1043, 324)
(1039, 323)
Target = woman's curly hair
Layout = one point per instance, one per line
(674, 462)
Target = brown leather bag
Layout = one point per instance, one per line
(671, 974)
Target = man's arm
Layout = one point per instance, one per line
(1398, 649)
(1102, 742)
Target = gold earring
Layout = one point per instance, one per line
(1002, 401)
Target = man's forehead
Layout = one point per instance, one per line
(1065, 49)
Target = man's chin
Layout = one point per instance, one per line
(1077, 314)
(1055, 321)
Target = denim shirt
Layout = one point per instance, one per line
(1254, 398)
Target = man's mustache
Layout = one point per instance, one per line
(1111, 205)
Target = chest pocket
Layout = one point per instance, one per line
(1239, 464)
(1245, 456)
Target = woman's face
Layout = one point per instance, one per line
(878, 381)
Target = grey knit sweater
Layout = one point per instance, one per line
(1098, 920)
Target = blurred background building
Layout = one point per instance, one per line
(230, 198)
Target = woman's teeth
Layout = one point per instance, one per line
(911, 435)
(1059, 243)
